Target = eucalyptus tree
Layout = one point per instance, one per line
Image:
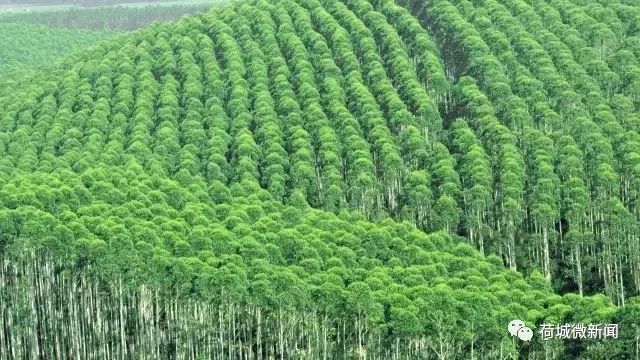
(330, 190)
(544, 196)
(245, 152)
(214, 118)
(509, 176)
(298, 145)
(144, 188)
(273, 160)
(474, 167)
(423, 50)
(358, 170)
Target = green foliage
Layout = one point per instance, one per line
(105, 18)
(343, 267)
(323, 179)
(24, 47)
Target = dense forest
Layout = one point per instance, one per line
(328, 179)
(112, 18)
(86, 2)
(24, 46)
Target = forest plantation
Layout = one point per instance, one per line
(325, 179)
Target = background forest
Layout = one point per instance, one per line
(319, 179)
(89, 3)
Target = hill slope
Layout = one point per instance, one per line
(144, 187)
(565, 86)
(122, 17)
(26, 47)
(195, 270)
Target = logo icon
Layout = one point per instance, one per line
(517, 328)
(525, 334)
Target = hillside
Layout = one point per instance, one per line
(123, 17)
(90, 3)
(325, 179)
(32, 46)
(566, 87)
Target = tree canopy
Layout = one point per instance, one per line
(327, 179)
